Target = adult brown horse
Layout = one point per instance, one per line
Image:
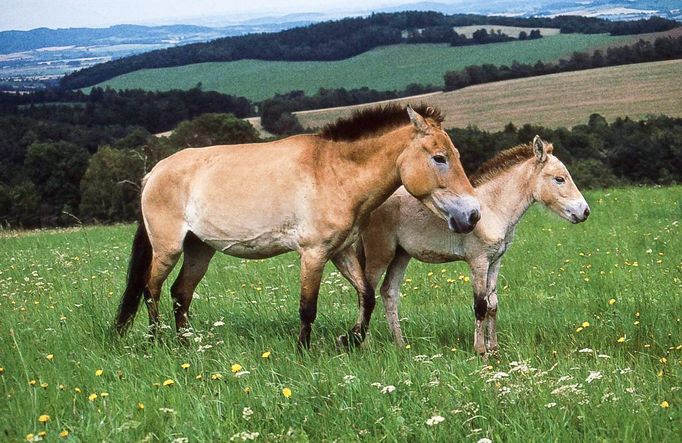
(307, 193)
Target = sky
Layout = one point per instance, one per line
(29, 14)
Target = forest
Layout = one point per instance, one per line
(335, 40)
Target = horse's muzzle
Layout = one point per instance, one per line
(463, 218)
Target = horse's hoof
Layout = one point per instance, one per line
(342, 343)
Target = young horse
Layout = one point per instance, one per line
(506, 186)
(307, 193)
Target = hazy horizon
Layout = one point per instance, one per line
(22, 14)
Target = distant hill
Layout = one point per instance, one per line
(336, 40)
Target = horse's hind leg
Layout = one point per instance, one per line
(348, 264)
(195, 263)
(390, 292)
(162, 264)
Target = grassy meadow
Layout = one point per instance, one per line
(384, 68)
(551, 100)
(589, 326)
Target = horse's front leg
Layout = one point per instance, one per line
(312, 267)
(491, 304)
(479, 274)
(348, 264)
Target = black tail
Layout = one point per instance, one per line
(140, 260)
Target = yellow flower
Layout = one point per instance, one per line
(663, 360)
(29, 437)
(44, 385)
(660, 373)
(247, 390)
(612, 301)
(49, 357)
(586, 324)
(185, 366)
(408, 346)
(199, 377)
(44, 418)
(168, 382)
(103, 394)
(236, 367)
(2, 370)
(216, 376)
(140, 406)
(32, 382)
(42, 434)
(665, 404)
(579, 328)
(266, 354)
(64, 433)
(92, 397)
(99, 372)
(286, 392)
(430, 274)
(636, 322)
(621, 339)
(78, 390)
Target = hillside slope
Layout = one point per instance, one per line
(565, 99)
(385, 68)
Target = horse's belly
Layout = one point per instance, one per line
(263, 245)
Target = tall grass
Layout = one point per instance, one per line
(620, 271)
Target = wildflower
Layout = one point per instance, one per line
(218, 323)
(44, 385)
(286, 392)
(32, 382)
(484, 440)
(612, 301)
(247, 413)
(664, 404)
(140, 406)
(408, 346)
(244, 436)
(61, 387)
(236, 367)
(550, 405)
(44, 418)
(64, 433)
(387, 389)
(594, 375)
(77, 389)
(50, 357)
(168, 382)
(199, 376)
(586, 324)
(29, 437)
(92, 397)
(621, 339)
(579, 328)
(266, 354)
(247, 390)
(216, 376)
(104, 394)
(2, 370)
(99, 372)
(433, 421)
(663, 360)
(185, 366)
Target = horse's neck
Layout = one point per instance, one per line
(368, 168)
(508, 195)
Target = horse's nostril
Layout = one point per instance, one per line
(587, 212)
(475, 216)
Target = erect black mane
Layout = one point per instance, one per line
(375, 120)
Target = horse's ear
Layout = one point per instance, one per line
(429, 113)
(540, 148)
(417, 120)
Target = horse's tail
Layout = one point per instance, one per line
(140, 261)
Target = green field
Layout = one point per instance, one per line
(385, 68)
(618, 379)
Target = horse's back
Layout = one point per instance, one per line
(243, 199)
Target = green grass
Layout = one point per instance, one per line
(385, 68)
(59, 291)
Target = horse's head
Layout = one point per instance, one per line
(554, 186)
(431, 171)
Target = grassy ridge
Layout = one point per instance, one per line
(633, 90)
(59, 291)
(385, 68)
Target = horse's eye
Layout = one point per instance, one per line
(440, 159)
(559, 179)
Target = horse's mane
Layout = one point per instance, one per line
(375, 120)
(502, 161)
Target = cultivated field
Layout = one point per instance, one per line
(565, 99)
(385, 68)
(511, 31)
(590, 333)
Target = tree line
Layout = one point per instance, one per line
(667, 48)
(335, 40)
